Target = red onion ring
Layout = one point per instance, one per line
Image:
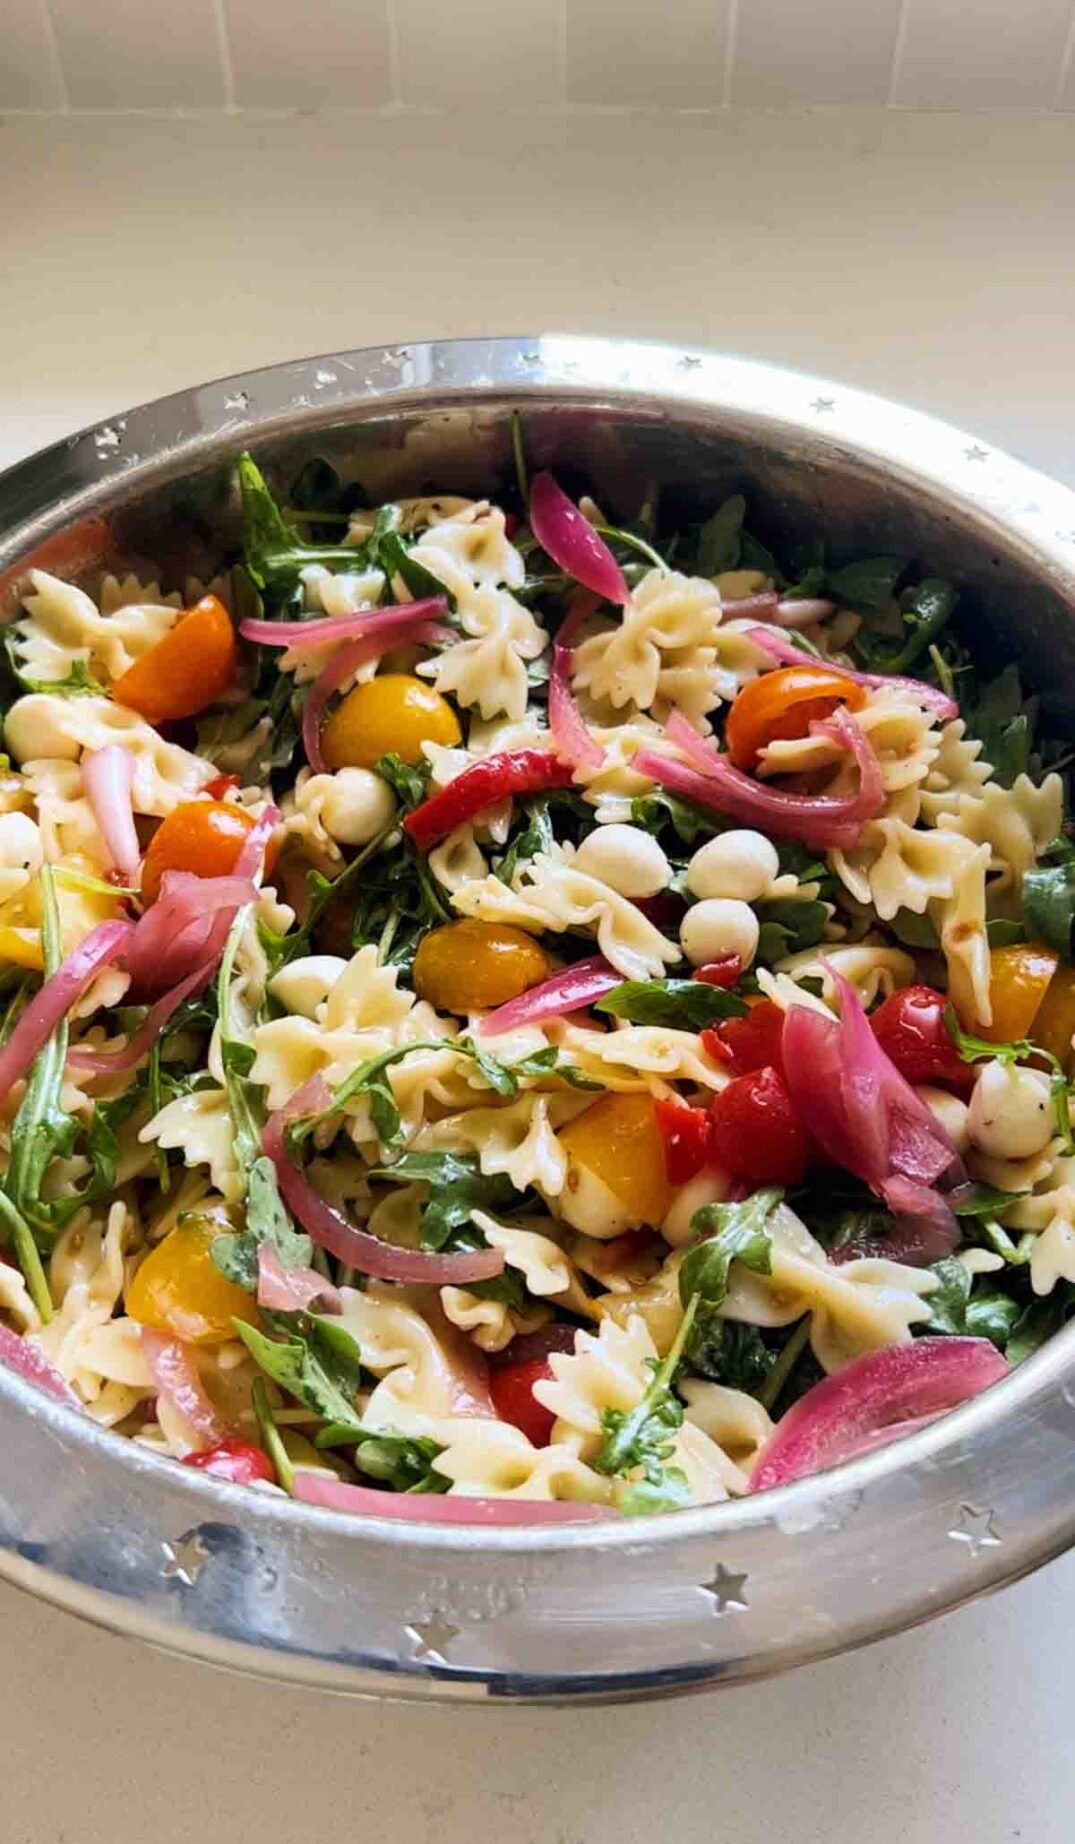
(563, 992)
(871, 1396)
(108, 779)
(572, 543)
(574, 744)
(405, 626)
(178, 1382)
(356, 1247)
(364, 623)
(107, 943)
(738, 607)
(786, 653)
(30, 1363)
(430, 1508)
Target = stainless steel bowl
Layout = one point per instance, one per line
(715, 1595)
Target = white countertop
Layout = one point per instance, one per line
(929, 257)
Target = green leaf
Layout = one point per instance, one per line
(78, 683)
(982, 1200)
(720, 539)
(1002, 933)
(631, 541)
(867, 585)
(655, 811)
(727, 1352)
(788, 926)
(457, 1186)
(925, 609)
(396, 560)
(997, 714)
(1037, 1323)
(643, 1497)
(914, 931)
(408, 781)
(732, 1232)
(687, 1005)
(317, 1363)
(643, 1436)
(535, 835)
(42, 1129)
(273, 549)
(1049, 903)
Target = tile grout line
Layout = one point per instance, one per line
(898, 46)
(730, 48)
(227, 68)
(54, 45)
(1066, 58)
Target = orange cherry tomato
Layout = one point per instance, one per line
(469, 966)
(179, 1288)
(203, 836)
(1019, 978)
(780, 706)
(190, 668)
(1054, 1024)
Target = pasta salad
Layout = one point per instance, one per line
(508, 1017)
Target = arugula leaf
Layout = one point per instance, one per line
(867, 585)
(997, 714)
(457, 1187)
(1037, 1322)
(271, 1439)
(404, 1462)
(914, 931)
(643, 1436)
(687, 1005)
(78, 683)
(732, 1232)
(1049, 903)
(788, 926)
(961, 1307)
(408, 781)
(534, 836)
(655, 811)
(631, 541)
(982, 1200)
(642, 1497)
(1003, 933)
(317, 1362)
(273, 549)
(504, 1078)
(720, 539)
(925, 609)
(396, 560)
(42, 1131)
(728, 1352)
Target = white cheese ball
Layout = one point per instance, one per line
(1011, 1112)
(952, 1114)
(625, 858)
(304, 984)
(737, 864)
(20, 843)
(35, 726)
(717, 927)
(355, 806)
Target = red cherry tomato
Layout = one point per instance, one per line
(723, 972)
(754, 1132)
(910, 1028)
(753, 1042)
(512, 1389)
(684, 1135)
(221, 785)
(237, 1461)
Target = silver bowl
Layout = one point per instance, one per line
(650, 1606)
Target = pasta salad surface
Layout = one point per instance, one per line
(507, 1016)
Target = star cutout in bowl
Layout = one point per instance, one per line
(975, 453)
(432, 1638)
(726, 1590)
(823, 406)
(184, 1559)
(976, 1527)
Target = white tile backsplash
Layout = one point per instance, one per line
(139, 54)
(668, 53)
(29, 69)
(309, 54)
(466, 51)
(814, 51)
(981, 54)
(505, 55)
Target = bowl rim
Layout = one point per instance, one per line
(165, 438)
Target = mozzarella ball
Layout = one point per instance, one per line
(718, 927)
(710, 1187)
(588, 1205)
(20, 843)
(356, 805)
(304, 984)
(1011, 1111)
(625, 858)
(951, 1113)
(737, 864)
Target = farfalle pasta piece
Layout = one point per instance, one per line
(99, 1355)
(422, 1379)
(43, 724)
(492, 1324)
(1016, 823)
(636, 1056)
(661, 651)
(961, 923)
(958, 768)
(458, 860)
(896, 866)
(1049, 1213)
(872, 967)
(199, 1126)
(472, 556)
(493, 1459)
(738, 1423)
(517, 1140)
(899, 729)
(548, 894)
(62, 628)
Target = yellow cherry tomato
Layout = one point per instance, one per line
(179, 1288)
(619, 1142)
(470, 966)
(1054, 1023)
(657, 1302)
(390, 715)
(1018, 981)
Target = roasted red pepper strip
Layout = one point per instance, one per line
(516, 771)
(684, 1135)
(724, 972)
